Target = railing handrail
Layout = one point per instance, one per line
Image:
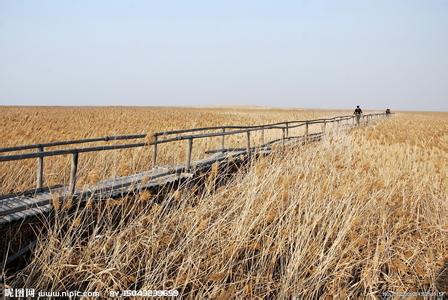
(70, 142)
(68, 151)
(161, 133)
(40, 153)
(177, 131)
(158, 134)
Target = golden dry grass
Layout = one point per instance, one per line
(355, 215)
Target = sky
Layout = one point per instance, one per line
(304, 54)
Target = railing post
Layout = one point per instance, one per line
(40, 169)
(73, 169)
(306, 131)
(283, 138)
(248, 142)
(189, 150)
(223, 139)
(262, 136)
(324, 127)
(154, 151)
(287, 129)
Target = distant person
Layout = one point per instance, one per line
(387, 112)
(358, 114)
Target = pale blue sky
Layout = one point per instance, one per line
(327, 54)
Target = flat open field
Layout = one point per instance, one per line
(359, 214)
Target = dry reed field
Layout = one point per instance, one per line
(361, 213)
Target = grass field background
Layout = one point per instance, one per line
(358, 214)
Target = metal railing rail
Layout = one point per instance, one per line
(71, 142)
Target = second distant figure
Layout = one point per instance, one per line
(358, 114)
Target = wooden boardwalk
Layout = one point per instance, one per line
(19, 207)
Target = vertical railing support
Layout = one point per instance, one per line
(40, 169)
(248, 143)
(324, 126)
(283, 138)
(306, 132)
(154, 150)
(262, 136)
(223, 139)
(287, 129)
(73, 169)
(188, 154)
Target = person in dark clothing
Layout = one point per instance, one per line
(358, 114)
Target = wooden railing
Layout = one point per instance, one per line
(158, 138)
